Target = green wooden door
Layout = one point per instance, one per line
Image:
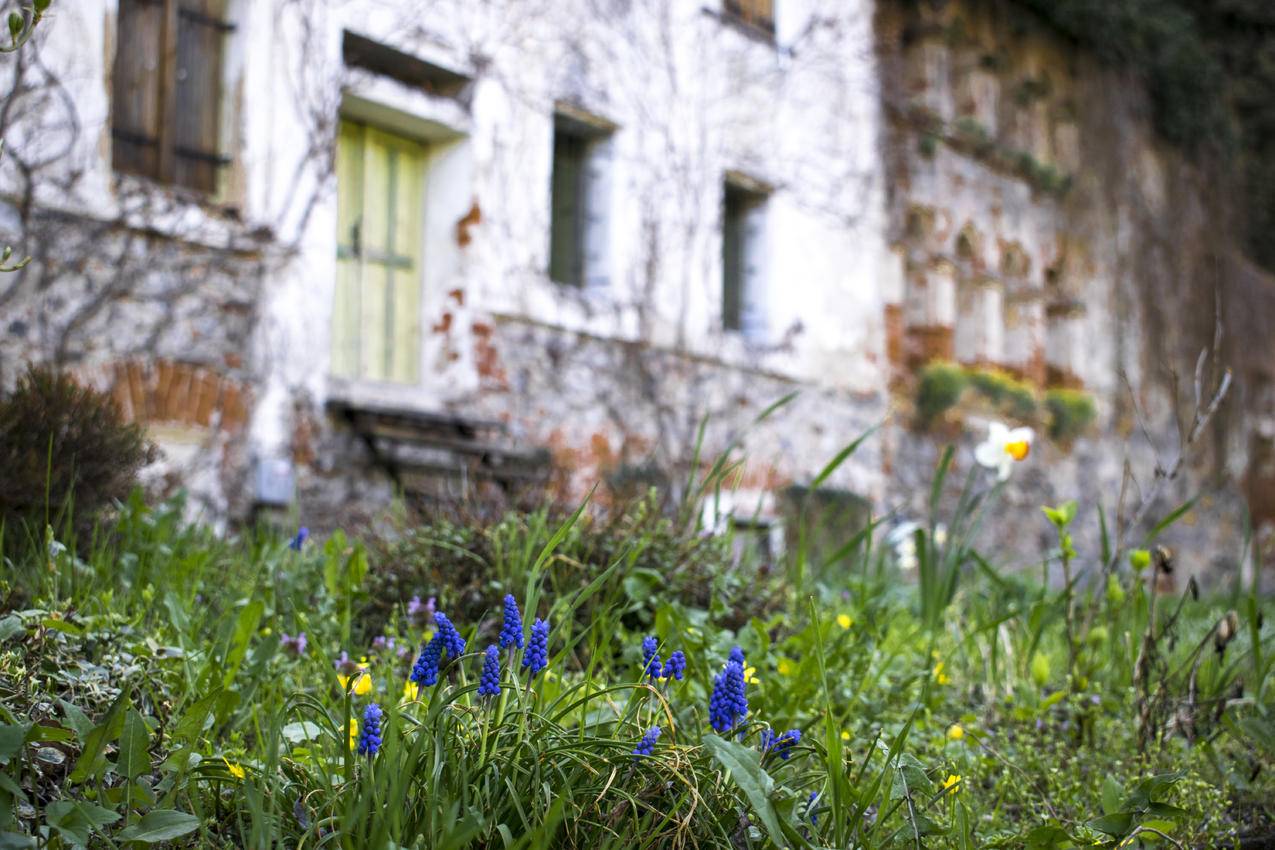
(376, 329)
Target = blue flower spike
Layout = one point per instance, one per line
(675, 667)
(370, 733)
(425, 670)
(453, 643)
(511, 626)
(536, 657)
(781, 745)
(489, 681)
(729, 703)
(646, 746)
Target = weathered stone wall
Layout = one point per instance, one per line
(1042, 228)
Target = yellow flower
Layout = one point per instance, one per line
(953, 783)
(784, 667)
(955, 732)
(939, 676)
(354, 732)
(411, 690)
(362, 682)
(845, 735)
(844, 621)
(236, 770)
(749, 677)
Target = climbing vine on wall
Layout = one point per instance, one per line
(1209, 68)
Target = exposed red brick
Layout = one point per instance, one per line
(444, 324)
(923, 344)
(894, 334)
(233, 408)
(204, 397)
(175, 402)
(1056, 376)
(137, 390)
(457, 295)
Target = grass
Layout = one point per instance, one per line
(147, 694)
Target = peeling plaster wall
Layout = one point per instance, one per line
(943, 181)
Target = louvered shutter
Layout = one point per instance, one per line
(597, 215)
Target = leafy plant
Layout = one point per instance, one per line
(1070, 413)
(61, 444)
(938, 390)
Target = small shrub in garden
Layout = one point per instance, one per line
(1070, 413)
(1002, 389)
(939, 389)
(63, 444)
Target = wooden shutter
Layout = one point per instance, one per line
(376, 316)
(752, 301)
(596, 237)
(196, 136)
(135, 87)
(347, 309)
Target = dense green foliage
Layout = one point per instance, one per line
(153, 689)
(63, 443)
(1209, 67)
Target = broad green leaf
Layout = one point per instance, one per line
(134, 757)
(1112, 795)
(76, 820)
(11, 627)
(16, 841)
(245, 628)
(1116, 823)
(95, 742)
(76, 719)
(160, 825)
(195, 719)
(300, 732)
(11, 740)
(744, 765)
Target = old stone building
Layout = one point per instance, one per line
(332, 251)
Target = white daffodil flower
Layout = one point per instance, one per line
(1003, 447)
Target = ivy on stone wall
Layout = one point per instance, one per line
(1209, 68)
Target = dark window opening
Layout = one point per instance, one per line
(579, 200)
(743, 222)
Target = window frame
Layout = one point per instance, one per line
(588, 266)
(165, 80)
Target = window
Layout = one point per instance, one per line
(376, 317)
(758, 13)
(743, 260)
(580, 196)
(167, 91)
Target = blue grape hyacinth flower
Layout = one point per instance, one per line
(425, 670)
(537, 656)
(370, 733)
(781, 745)
(297, 542)
(646, 746)
(511, 626)
(453, 643)
(811, 808)
(675, 666)
(729, 702)
(650, 661)
(489, 681)
(736, 654)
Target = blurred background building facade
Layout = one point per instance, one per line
(333, 251)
